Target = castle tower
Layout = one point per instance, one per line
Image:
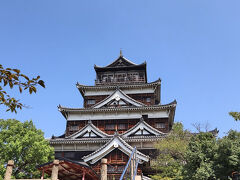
(121, 111)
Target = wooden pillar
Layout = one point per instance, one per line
(103, 169)
(9, 169)
(131, 169)
(83, 177)
(132, 165)
(42, 177)
(55, 170)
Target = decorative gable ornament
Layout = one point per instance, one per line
(115, 142)
(89, 131)
(144, 129)
(118, 95)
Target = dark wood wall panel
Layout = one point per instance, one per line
(129, 123)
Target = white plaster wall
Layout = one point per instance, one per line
(68, 147)
(81, 147)
(74, 116)
(126, 91)
(57, 147)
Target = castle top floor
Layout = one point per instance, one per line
(121, 71)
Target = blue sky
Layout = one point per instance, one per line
(193, 46)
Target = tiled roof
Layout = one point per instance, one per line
(152, 107)
(82, 87)
(115, 142)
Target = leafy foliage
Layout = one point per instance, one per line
(14, 77)
(235, 115)
(200, 157)
(227, 155)
(172, 151)
(24, 144)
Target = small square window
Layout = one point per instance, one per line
(110, 126)
(160, 125)
(122, 126)
(148, 99)
(73, 128)
(91, 101)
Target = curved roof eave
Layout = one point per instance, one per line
(120, 57)
(108, 145)
(81, 86)
(92, 127)
(165, 106)
(148, 127)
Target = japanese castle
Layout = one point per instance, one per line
(121, 111)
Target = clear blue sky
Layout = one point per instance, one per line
(193, 46)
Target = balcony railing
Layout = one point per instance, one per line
(119, 81)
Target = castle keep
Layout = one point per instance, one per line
(121, 111)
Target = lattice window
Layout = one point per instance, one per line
(110, 126)
(122, 126)
(91, 101)
(69, 155)
(148, 99)
(160, 125)
(73, 128)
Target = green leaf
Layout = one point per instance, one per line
(27, 78)
(20, 89)
(34, 89)
(5, 82)
(30, 90)
(16, 70)
(10, 84)
(26, 144)
(41, 83)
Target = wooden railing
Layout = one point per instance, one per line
(54, 175)
(119, 81)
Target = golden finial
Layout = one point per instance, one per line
(121, 52)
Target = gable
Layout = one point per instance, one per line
(89, 131)
(118, 98)
(142, 132)
(89, 134)
(115, 143)
(120, 62)
(142, 129)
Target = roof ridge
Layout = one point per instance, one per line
(173, 103)
(158, 81)
(119, 57)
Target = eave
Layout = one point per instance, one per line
(168, 108)
(105, 140)
(83, 88)
(115, 143)
(115, 61)
(137, 67)
(65, 110)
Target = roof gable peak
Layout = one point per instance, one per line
(89, 131)
(142, 128)
(121, 61)
(118, 97)
(115, 142)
